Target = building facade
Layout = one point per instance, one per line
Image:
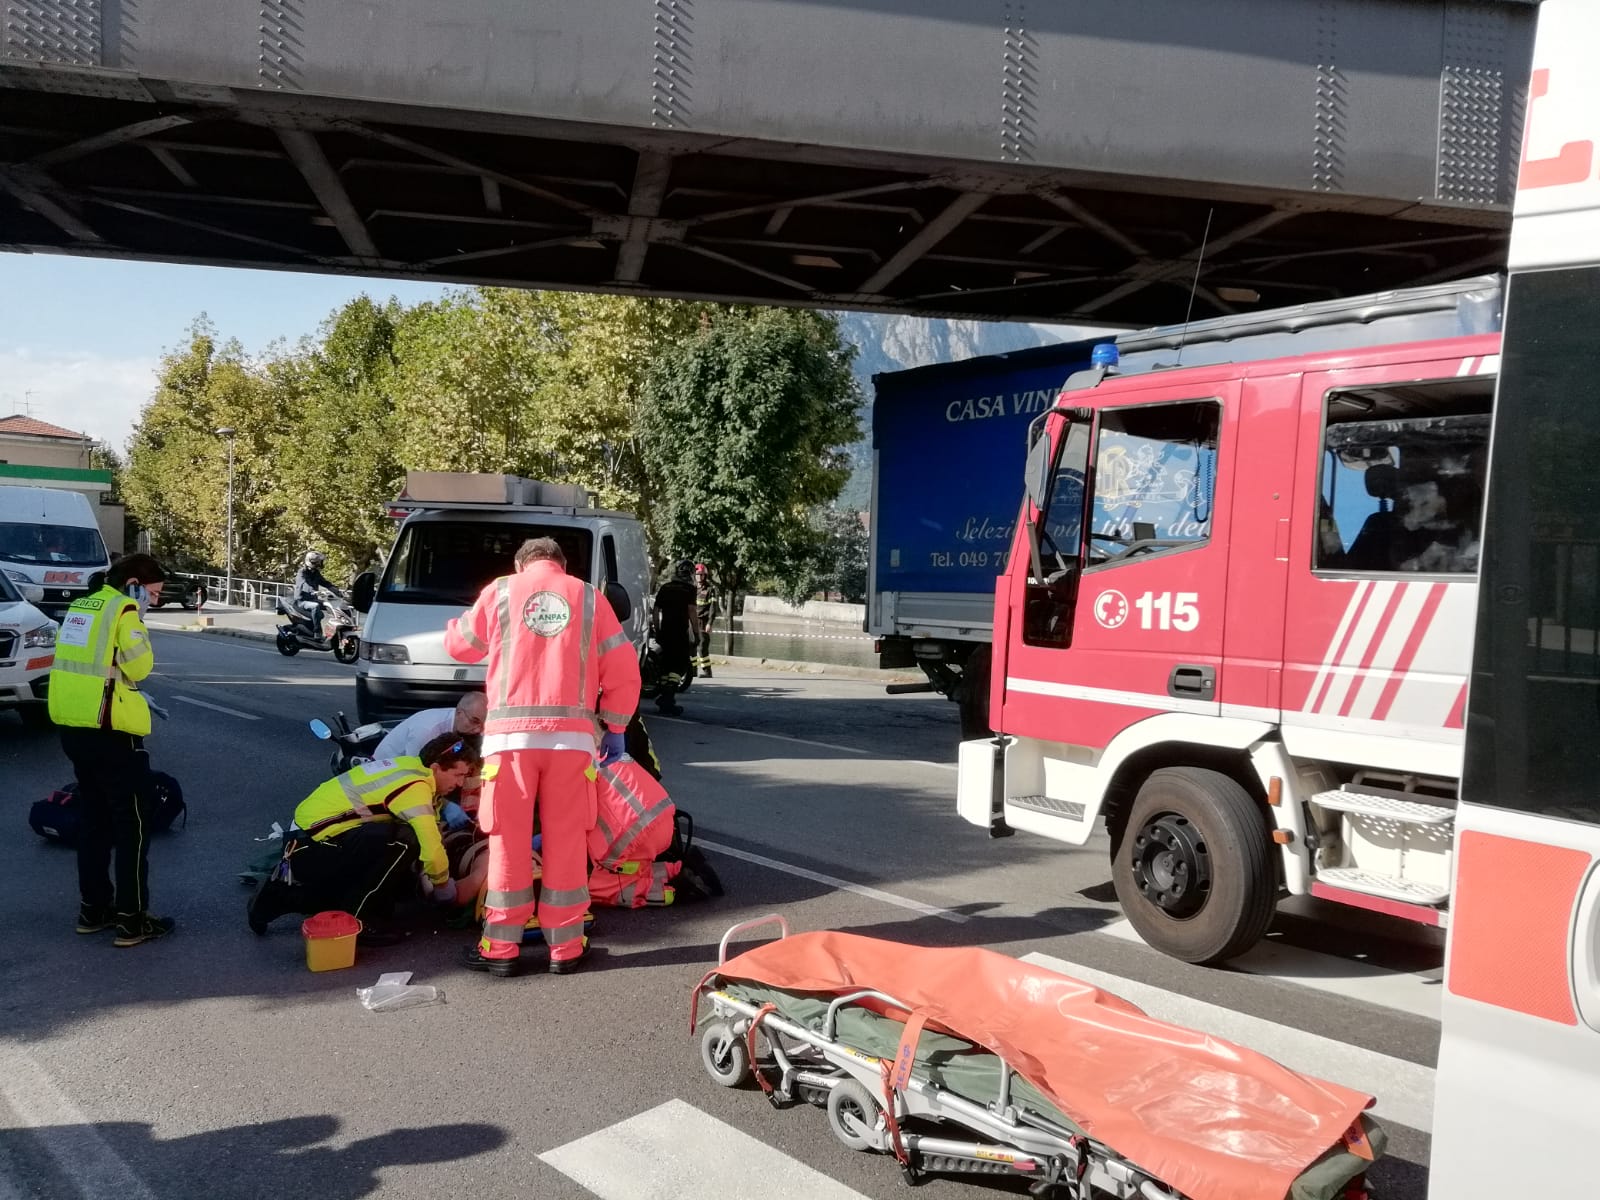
(35, 453)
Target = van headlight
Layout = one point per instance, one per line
(17, 576)
(40, 638)
(392, 653)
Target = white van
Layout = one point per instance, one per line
(27, 648)
(460, 533)
(49, 539)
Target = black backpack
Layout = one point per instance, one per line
(59, 816)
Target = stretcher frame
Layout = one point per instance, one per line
(820, 1069)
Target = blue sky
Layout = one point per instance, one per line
(80, 338)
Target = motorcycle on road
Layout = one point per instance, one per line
(339, 632)
(350, 746)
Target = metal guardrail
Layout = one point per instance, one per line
(259, 594)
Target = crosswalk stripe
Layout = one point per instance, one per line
(676, 1150)
(86, 1159)
(1417, 994)
(1404, 1090)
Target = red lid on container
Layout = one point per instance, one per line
(330, 925)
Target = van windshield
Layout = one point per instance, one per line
(57, 545)
(450, 562)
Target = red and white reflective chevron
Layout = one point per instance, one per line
(1399, 653)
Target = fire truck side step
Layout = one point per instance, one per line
(1410, 891)
(1387, 807)
(1072, 810)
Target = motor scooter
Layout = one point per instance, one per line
(339, 632)
(350, 746)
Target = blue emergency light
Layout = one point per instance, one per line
(1104, 355)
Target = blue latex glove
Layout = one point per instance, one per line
(612, 747)
(445, 893)
(538, 841)
(454, 816)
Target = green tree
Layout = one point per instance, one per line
(338, 461)
(469, 372)
(592, 402)
(176, 482)
(743, 430)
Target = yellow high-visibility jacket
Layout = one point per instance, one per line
(399, 789)
(102, 652)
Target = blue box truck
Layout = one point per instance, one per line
(948, 446)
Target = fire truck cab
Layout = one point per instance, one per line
(1236, 621)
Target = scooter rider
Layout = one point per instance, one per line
(309, 583)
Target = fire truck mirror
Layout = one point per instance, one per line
(1038, 472)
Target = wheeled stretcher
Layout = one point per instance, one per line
(966, 1061)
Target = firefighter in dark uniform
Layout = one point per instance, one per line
(676, 627)
(705, 608)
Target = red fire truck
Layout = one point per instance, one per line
(1237, 617)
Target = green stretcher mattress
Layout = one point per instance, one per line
(974, 1074)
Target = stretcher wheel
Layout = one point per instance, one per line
(724, 1055)
(853, 1115)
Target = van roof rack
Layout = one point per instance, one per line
(488, 490)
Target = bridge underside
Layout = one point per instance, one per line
(135, 147)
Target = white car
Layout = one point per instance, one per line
(27, 648)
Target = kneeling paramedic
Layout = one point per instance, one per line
(102, 652)
(354, 841)
(634, 823)
(638, 846)
(555, 654)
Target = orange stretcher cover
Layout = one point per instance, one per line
(1212, 1119)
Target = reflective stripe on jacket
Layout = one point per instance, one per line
(398, 789)
(555, 651)
(633, 815)
(102, 652)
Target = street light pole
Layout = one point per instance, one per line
(227, 587)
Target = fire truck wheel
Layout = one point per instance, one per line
(975, 696)
(1193, 866)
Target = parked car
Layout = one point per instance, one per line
(27, 649)
(184, 590)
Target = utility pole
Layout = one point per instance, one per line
(227, 587)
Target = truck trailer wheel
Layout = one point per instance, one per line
(1193, 866)
(975, 695)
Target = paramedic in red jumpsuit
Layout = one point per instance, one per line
(556, 655)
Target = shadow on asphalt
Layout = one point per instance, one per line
(274, 1158)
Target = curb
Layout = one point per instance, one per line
(248, 635)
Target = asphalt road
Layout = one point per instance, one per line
(213, 1064)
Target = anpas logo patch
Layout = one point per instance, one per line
(547, 613)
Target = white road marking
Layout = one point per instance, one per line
(65, 1132)
(221, 708)
(675, 1149)
(783, 737)
(844, 885)
(777, 737)
(1417, 994)
(1404, 1090)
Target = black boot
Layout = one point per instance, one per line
(501, 968)
(272, 900)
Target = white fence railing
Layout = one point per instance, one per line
(247, 593)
